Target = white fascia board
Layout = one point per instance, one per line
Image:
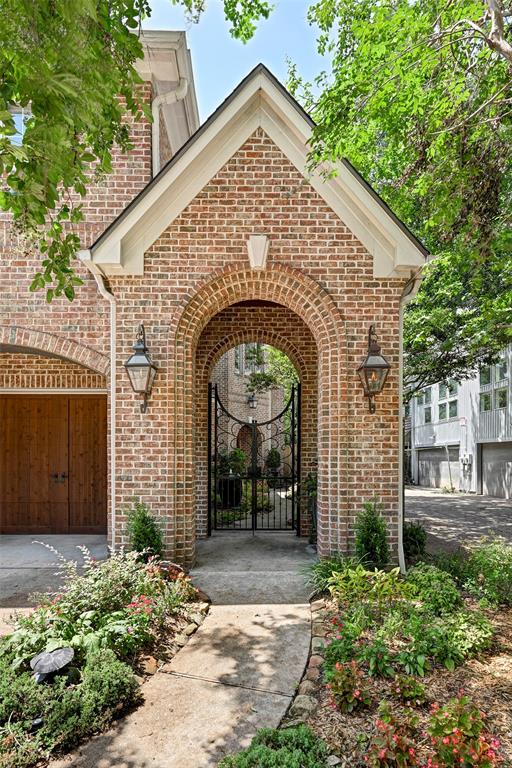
(259, 104)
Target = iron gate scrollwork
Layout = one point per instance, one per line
(253, 468)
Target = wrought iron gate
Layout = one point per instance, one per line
(253, 469)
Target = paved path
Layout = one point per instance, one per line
(453, 518)
(238, 672)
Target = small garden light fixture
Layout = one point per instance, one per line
(252, 401)
(374, 369)
(141, 369)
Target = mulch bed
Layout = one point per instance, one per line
(486, 680)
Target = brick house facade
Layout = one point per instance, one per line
(177, 258)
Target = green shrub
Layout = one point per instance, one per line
(144, 532)
(273, 460)
(285, 748)
(339, 651)
(485, 571)
(355, 585)
(372, 536)
(68, 712)
(434, 588)
(414, 539)
(319, 574)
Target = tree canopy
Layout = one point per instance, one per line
(66, 65)
(419, 99)
(417, 96)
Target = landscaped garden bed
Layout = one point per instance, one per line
(117, 621)
(413, 671)
(404, 672)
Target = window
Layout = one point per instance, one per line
(420, 398)
(449, 409)
(427, 415)
(501, 370)
(238, 360)
(428, 395)
(407, 409)
(485, 376)
(453, 387)
(501, 397)
(485, 402)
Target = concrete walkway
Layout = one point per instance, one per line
(238, 673)
(454, 518)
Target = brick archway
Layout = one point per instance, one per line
(238, 325)
(28, 339)
(304, 297)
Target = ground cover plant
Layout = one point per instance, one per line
(287, 748)
(110, 616)
(417, 670)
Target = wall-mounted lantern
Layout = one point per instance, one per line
(374, 369)
(141, 369)
(252, 401)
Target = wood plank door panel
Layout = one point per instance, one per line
(88, 464)
(33, 458)
(53, 463)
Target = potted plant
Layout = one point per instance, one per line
(230, 468)
(272, 463)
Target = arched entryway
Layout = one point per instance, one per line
(199, 341)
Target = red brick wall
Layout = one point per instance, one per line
(199, 266)
(317, 269)
(26, 371)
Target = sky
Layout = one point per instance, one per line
(220, 62)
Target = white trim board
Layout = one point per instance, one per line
(259, 102)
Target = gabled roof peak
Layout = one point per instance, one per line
(260, 100)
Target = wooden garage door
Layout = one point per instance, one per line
(53, 460)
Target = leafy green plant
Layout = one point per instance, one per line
(414, 540)
(489, 572)
(371, 536)
(119, 603)
(413, 660)
(378, 658)
(273, 460)
(144, 532)
(319, 573)
(105, 688)
(232, 462)
(392, 745)
(346, 687)
(408, 690)
(458, 637)
(459, 738)
(357, 584)
(434, 588)
(296, 747)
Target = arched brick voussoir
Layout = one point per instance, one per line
(278, 283)
(53, 344)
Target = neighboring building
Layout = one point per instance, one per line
(235, 240)
(231, 375)
(460, 435)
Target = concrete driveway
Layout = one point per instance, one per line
(27, 567)
(454, 518)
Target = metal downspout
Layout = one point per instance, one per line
(85, 257)
(410, 290)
